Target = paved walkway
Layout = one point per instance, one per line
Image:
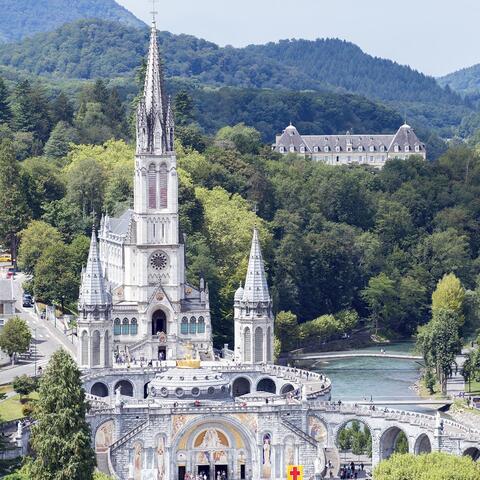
(456, 383)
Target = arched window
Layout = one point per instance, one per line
(269, 344)
(201, 325)
(96, 348)
(326, 149)
(407, 148)
(117, 328)
(184, 326)
(247, 345)
(133, 327)
(163, 186)
(193, 325)
(125, 326)
(106, 349)
(258, 345)
(84, 348)
(152, 187)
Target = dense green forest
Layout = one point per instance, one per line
(90, 49)
(337, 240)
(465, 81)
(27, 17)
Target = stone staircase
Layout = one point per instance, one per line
(332, 455)
(299, 432)
(132, 433)
(103, 463)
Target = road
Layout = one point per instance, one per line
(46, 338)
(340, 355)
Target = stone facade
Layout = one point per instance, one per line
(349, 149)
(162, 404)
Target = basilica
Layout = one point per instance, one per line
(166, 405)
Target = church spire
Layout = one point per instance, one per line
(92, 291)
(152, 114)
(256, 287)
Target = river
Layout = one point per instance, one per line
(381, 379)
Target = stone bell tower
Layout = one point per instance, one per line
(254, 334)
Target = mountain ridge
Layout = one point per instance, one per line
(27, 17)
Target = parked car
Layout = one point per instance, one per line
(27, 300)
(5, 257)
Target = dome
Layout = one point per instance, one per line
(188, 383)
(406, 125)
(239, 294)
(290, 129)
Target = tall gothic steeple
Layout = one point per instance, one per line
(253, 315)
(256, 287)
(154, 118)
(95, 306)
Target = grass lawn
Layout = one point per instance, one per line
(11, 409)
(5, 388)
(474, 387)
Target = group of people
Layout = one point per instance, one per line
(204, 476)
(351, 471)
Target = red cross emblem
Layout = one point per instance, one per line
(295, 472)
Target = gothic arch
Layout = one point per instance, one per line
(258, 345)
(473, 453)
(389, 440)
(346, 423)
(247, 344)
(163, 185)
(107, 353)
(288, 387)
(241, 386)
(152, 186)
(96, 348)
(84, 340)
(422, 444)
(269, 344)
(99, 389)
(126, 388)
(159, 321)
(266, 384)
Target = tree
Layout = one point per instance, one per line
(401, 443)
(61, 438)
(286, 329)
(15, 337)
(183, 105)
(244, 139)
(438, 466)
(449, 295)
(62, 109)
(5, 109)
(34, 240)
(381, 298)
(24, 385)
(60, 139)
(14, 212)
(54, 277)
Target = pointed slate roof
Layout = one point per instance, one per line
(256, 287)
(154, 91)
(93, 291)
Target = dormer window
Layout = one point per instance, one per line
(292, 148)
(407, 148)
(360, 148)
(382, 148)
(326, 149)
(417, 148)
(396, 149)
(282, 149)
(372, 148)
(315, 149)
(337, 148)
(302, 149)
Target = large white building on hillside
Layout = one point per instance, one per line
(348, 149)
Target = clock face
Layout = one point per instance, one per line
(158, 261)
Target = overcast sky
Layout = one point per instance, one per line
(433, 36)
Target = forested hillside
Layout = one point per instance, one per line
(465, 81)
(23, 18)
(98, 49)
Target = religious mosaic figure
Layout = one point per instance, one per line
(267, 451)
(137, 461)
(161, 458)
(317, 429)
(104, 436)
(289, 453)
(211, 439)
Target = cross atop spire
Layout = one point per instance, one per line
(154, 12)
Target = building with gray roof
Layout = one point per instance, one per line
(348, 149)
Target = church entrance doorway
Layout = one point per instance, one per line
(159, 322)
(204, 470)
(182, 471)
(220, 470)
(162, 353)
